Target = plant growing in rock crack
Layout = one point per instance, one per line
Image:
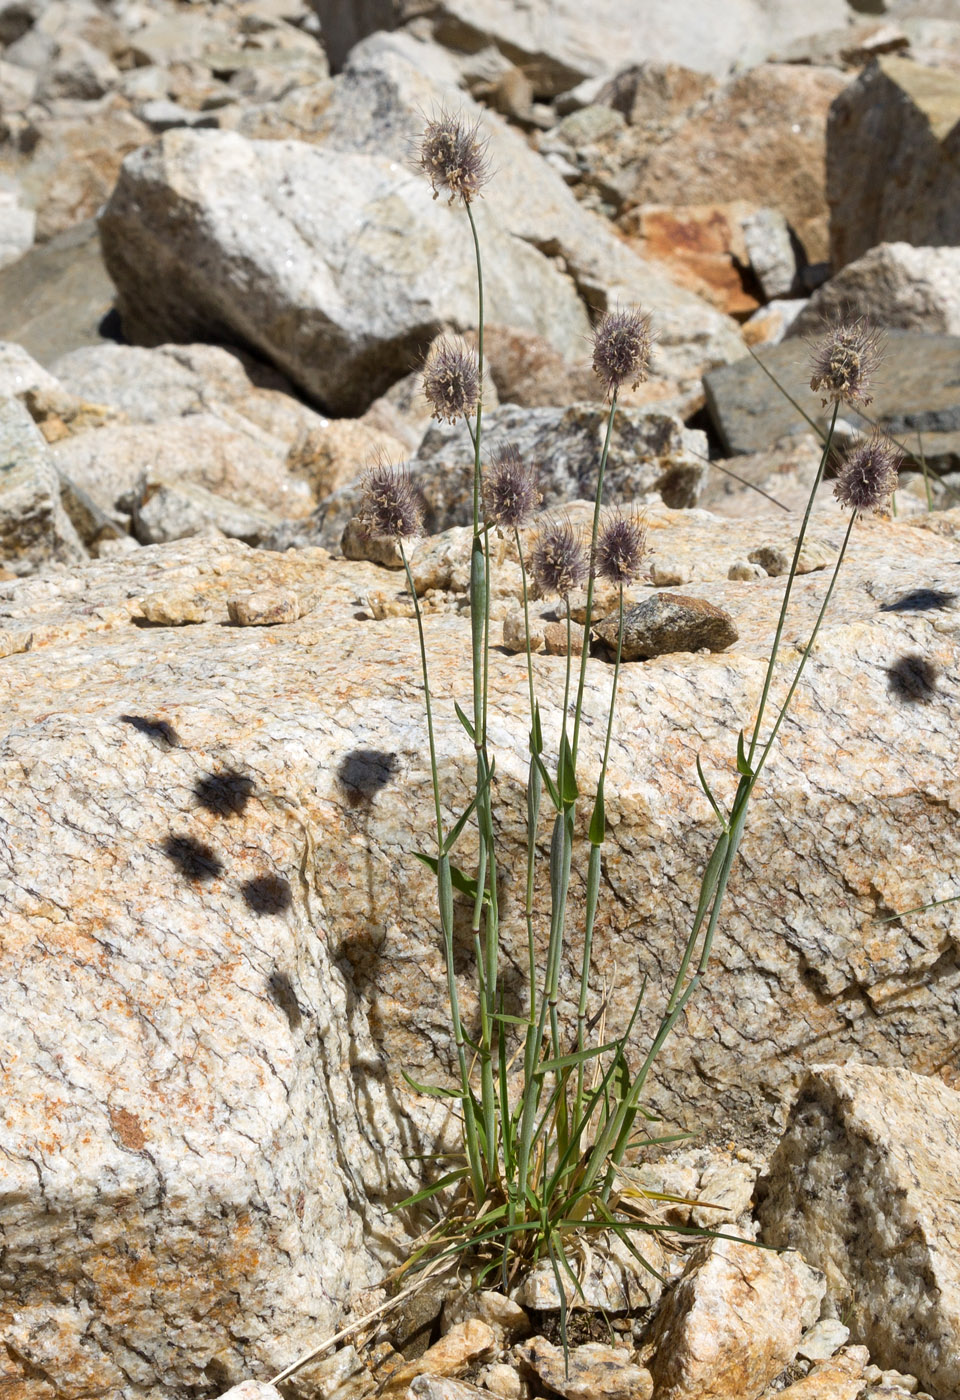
(547, 1116)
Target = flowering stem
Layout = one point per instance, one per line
(807, 650)
(768, 678)
(593, 872)
(590, 579)
(445, 900)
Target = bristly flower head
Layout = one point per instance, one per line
(622, 344)
(868, 475)
(454, 157)
(844, 360)
(451, 381)
(559, 561)
(389, 504)
(621, 547)
(510, 492)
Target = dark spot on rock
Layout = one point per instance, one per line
(225, 794)
(158, 731)
(363, 772)
(267, 894)
(281, 991)
(920, 600)
(913, 679)
(193, 859)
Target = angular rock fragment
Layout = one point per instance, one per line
(669, 622)
(588, 1372)
(839, 1378)
(866, 1182)
(559, 44)
(915, 389)
(911, 113)
(340, 268)
(729, 1326)
(265, 609)
(35, 530)
(615, 1280)
(894, 284)
(164, 511)
(649, 452)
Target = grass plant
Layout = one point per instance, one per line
(547, 1113)
(548, 1117)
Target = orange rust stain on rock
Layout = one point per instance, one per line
(128, 1128)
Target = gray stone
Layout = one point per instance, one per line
(912, 114)
(178, 381)
(339, 268)
(650, 454)
(894, 284)
(559, 44)
(378, 105)
(770, 250)
(56, 295)
(888, 1242)
(914, 390)
(160, 114)
(35, 530)
(17, 228)
(241, 467)
(79, 71)
(669, 622)
(164, 511)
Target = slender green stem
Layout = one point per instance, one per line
(807, 651)
(526, 621)
(613, 691)
(590, 579)
(593, 871)
(771, 664)
(434, 772)
(445, 899)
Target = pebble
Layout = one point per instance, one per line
(744, 571)
(264, 609)
(594, 1372)
(669, 622)
(506, 1317)
(514, 632)
(773, 560)
(463, 1344)
(555, 639)
(668, 573)
(501, 1379)
(823, 1339)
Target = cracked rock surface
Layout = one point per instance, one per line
(218, 949)
(865, 1182)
